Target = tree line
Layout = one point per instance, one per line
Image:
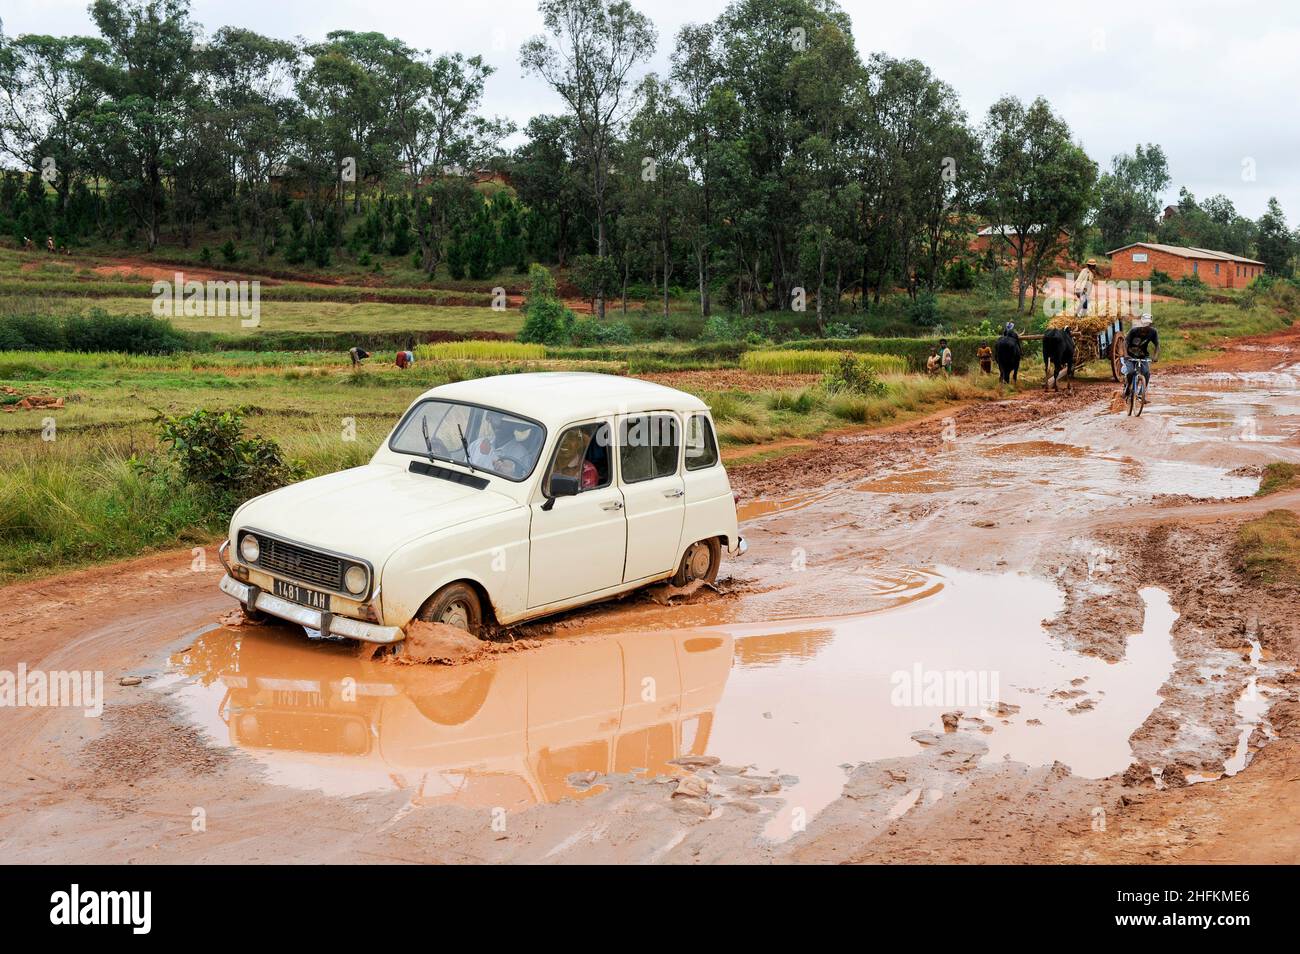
(770, 167)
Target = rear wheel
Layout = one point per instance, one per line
(456, 604)
(700, 562)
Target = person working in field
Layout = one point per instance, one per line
(932, 362)
(1083, 283)
(945, 356)
(357, 355)
(985, 357)
(405, 359)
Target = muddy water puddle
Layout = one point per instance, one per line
(801, 700)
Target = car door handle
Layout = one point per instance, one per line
(674, 493)
(612, 505)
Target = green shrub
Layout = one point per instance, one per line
(546, 320)
(95, 331)
(853, 374)
(592, 331)
(209, 449)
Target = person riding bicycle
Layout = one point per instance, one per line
(1137, 357)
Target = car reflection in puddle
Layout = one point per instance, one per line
(504, 732)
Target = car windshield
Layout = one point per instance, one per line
(492, 441)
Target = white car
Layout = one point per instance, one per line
(494, 501)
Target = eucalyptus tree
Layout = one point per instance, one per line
(45, 90)
(1038, 184)
(587, 57)
(147, 81)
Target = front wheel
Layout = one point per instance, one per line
(700, 562)
(456, 604)
(1130, 392)
(1140, 382)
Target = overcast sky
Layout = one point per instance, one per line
(1216, 84)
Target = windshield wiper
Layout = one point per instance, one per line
(465, 444)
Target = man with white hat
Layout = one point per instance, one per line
(1083, 286)
(1137, 344)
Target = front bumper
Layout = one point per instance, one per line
(256, 598)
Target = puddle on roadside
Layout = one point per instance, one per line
(801, 698)
(922, 481)
(753, 509)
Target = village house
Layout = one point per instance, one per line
(1218, 269)
(1002, 239)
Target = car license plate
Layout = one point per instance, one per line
(302, 595)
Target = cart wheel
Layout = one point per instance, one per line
(1116, 359)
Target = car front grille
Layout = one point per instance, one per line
(300, 563)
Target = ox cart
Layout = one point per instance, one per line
(1096, 338)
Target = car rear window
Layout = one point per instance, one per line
(701, 447)
(647, 446)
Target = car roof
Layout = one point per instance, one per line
(558, 397)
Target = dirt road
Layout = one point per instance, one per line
(1008, 633)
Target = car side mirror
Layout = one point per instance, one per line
(562, 486)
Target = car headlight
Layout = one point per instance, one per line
(355, 579)
(249, 548)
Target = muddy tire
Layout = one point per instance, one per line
(456, 604)
(700, 562)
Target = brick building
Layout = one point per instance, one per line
(1000, 240)
(1218, 269)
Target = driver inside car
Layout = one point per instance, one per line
(510, 458)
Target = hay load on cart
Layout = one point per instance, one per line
(1098, 334)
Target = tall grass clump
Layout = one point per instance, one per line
(815, 362)
(481, 351)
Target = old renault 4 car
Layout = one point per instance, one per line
(494, 501)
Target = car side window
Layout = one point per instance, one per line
(701, 447)
(648, 446)
(582, 452)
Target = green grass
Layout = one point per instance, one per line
(481, 351)
(815, 362)
(1278, 476)
(1268, 548)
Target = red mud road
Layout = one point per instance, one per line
(1013, 632)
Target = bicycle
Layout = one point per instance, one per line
(1135, 384)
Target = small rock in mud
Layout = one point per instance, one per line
(1083, 705)
(695, 761)
(693, 806)
(1139, 773)
(1033, 722)
(896, 775)
(985, 524)
(582, 779)
(1173, 777)
(130, 681)
(950, 720)
(1002, 709)
(235, 619)
(747, 805)
(692, 786)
